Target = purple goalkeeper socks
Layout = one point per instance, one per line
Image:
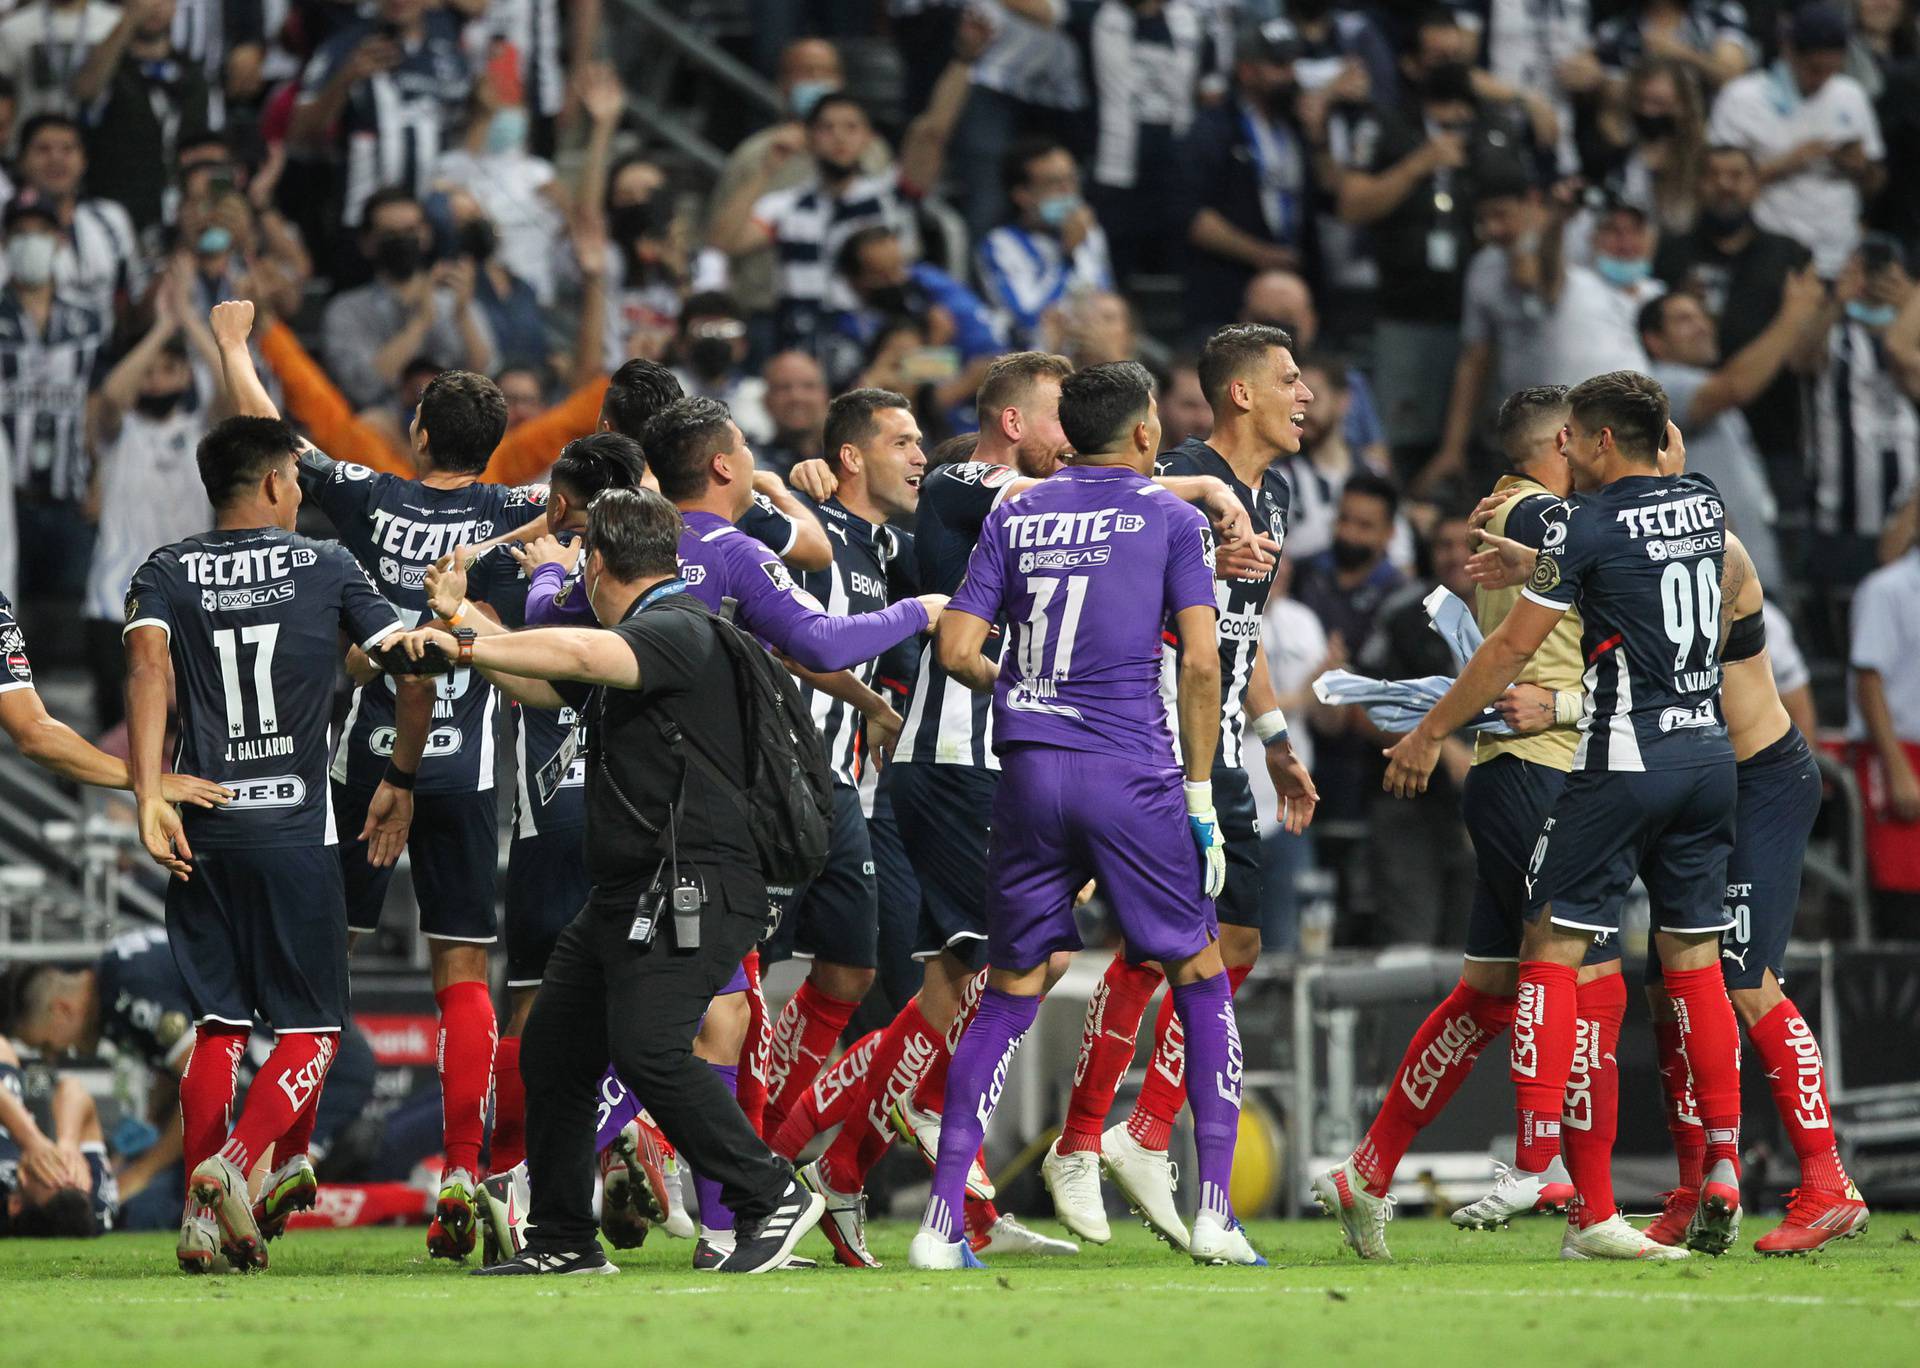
(617, 1105)
(1213, 1083)
(714, 1213)
(974, 1081)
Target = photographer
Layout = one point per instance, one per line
(678, 897)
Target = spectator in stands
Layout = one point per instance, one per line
(1534, 318)
(1526, 48)
(509, 304)
(534, 50)
(43, 46)
(1884, 724)
(1813, 133)
(809, 71)
(386, 95)
(808, 225)
(1862, 427)
(1423, 865)
(1885, 37)
(1028, 78)
(1327, 460)
(1707, 390)
(1739, 271)
(408, 311)
(99, 261)
(1284, 300)
(1663, 143)
(1711, 37)
(711, 359)
(1184, 410)
(525, 388)
(1342, 50)
(1248, 179)
(48, 344)
(240, 252)
(1417, 190)
(884, 284)
(796, 403)
(139, 98)
(1093, 329)
(1053, 247)
(1144, 57)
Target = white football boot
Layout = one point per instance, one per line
(1074, 1181)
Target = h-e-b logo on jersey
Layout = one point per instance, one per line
(273, 791)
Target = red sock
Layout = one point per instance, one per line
(1683, 1113)
(1798, 1076)
(206, 1090)
(1710, 1036)
(980, 1216)
(1106, 1049)
(1437, 1061)
(803, 1041)
(1590, 1117)
(1165, 1089)
(751, 1091)
(299, 1136)
(829, 1101)
(906, 1051)
(466, 1070)
(1543, 1036)
(287, 1084)
(509, 1144)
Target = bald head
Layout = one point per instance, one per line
(810, 59)
(1283, 300)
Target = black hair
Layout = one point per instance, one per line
(381, 198)
(1100, 404)
(1522, 409)
(639, 390)
(637, 533)
(1230, 352)
(850, 418)
(846, 261)
(828, 101)
(681, 441)
(959, 447)
(237, 453)
(1652, 317)
(709, 304)
(599, 461)
(1632, 405)
(66, 1215)
(464, 415)
(1374, 487)
(39, 123)
(1022, 153)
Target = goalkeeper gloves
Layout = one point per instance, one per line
(1205, 827)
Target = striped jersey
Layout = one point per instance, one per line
(948, 723)
(1024, 272)
(1641, 559)
(1864, 434)
(44, 378)
(1242, 601)
(532, 29)
(809, 225)
(396, 529)
(98, 261)
(149, 495)
(858, 581)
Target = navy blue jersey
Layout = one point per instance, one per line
(948, 723)
(767, 525)
(496, 579)
(856, 582)
(1641, 559)
(1241, 600)
(253, 620)
(397, 529)
(144, 1008)
(16, 671)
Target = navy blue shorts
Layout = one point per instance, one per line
(454, 847)
(1239, 902)
(1779, 799)
(1673, 828)
(945, 814)
(899, 896)
(262, 932)
(836, 917)
(1504, 802)
(547, 885)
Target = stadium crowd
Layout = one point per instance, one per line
(1441, 205)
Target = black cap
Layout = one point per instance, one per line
(27, 204)
(1276, 40)
(1817, 28)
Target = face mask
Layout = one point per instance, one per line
(837, 170)
(30, 258)
(710, 357)
(158, 406)
(1871, 315)
(1349, 555)
(507, 131)
(888, 299)
(1724, 223)
(1055, 210)
(397, 255)
(1655, 127)
(806, 94)
(477, 239)
(631, 222)
(214, 241)
(1621, 272)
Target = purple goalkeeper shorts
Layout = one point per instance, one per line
(1062, 817)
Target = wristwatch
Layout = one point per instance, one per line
(466, 637)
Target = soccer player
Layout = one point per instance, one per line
(1249, 376)
(1509, 793)
(242, 626)
(55, 1181)
(1086, 569)
(1652, 787)
(397, 529)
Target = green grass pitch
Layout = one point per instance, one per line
(366, 1299)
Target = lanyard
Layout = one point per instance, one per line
(676, 585)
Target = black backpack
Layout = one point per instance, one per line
(788, 799)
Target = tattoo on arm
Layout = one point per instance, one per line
(1733, 578)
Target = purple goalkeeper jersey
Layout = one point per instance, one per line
(1085, 569)
(719, 561)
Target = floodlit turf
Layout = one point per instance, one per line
(366, 1299)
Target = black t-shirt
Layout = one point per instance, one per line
(687, 680)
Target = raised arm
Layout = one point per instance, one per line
(1751, 369)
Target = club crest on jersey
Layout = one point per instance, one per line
(1546, 575)
(133, 607)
